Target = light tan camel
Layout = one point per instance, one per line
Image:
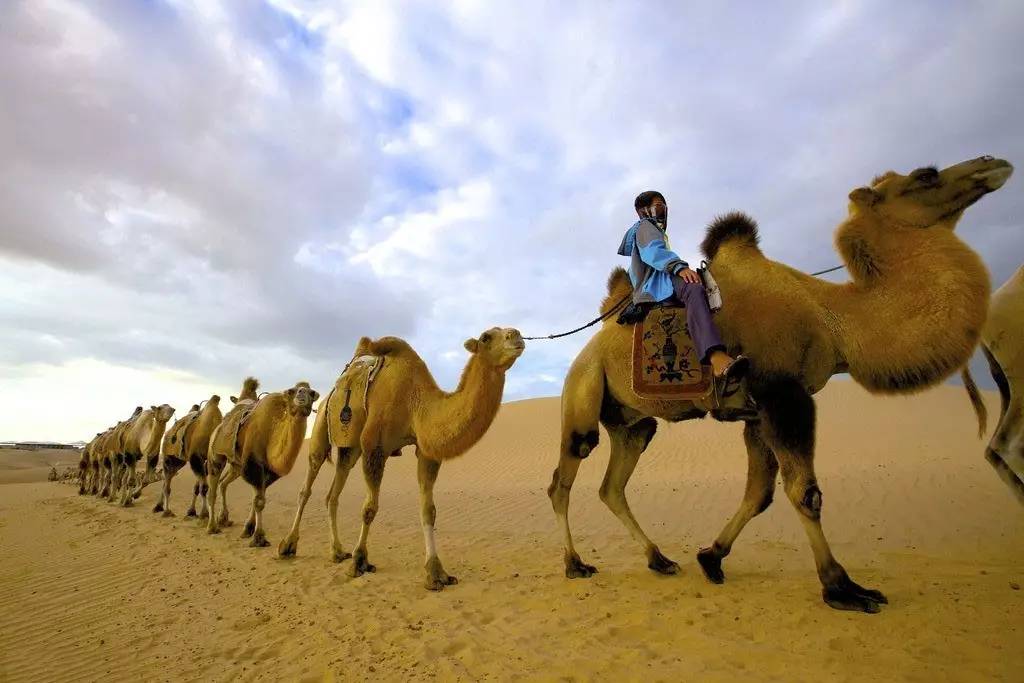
(187, 442)
(142, 443)
(403, 407)
(1002, 342)
(111, 457)
(910, 317)
(259, 443)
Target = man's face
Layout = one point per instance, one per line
(658, 210)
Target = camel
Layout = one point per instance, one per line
(910, 317)
(1002, 342)
(259, 443)
(142, 442)
(402, 407)
(187, 442)
(109, 457)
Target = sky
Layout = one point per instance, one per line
(193, 192)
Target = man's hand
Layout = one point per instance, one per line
(689, 276)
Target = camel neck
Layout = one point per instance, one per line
(913, 316)
(284, 450)
(449, 424)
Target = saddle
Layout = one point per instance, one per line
(665, 361)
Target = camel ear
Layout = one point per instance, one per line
(864, 196)
(291, 392)
(314, 395)
(234, 399)
(153, 408)
(472, 345)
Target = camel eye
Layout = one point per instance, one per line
(928, 175)
(486, 337)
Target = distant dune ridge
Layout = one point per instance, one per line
(91, 590)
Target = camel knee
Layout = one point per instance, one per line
(611, 496)
(369, 512)
(582, 444)
(558, 491)
(204, 489)
(806, 497)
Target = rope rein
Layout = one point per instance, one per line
(626, 298)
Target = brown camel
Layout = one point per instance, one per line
(259, 443)
(1002, 342)
(141, 442)
(187, 442)
(85, 466)
(910, 317)
(402, 407)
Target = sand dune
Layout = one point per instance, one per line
(90, 590)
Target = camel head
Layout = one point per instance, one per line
(929, 197)
(301, 399)
(162, 413)
(498, 346)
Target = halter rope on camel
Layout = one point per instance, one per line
(626, 298)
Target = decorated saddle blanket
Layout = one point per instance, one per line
(348, 402)
(665, 361)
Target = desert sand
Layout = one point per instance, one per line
(93, 591)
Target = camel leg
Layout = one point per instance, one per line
(790, 414)
(204, 499)
(373, 472)
(627, 445)
(147, 477)
(196, 488)
(290, 544)
(1005, 451)
(213, 470)
(347, 458)
(130, 479)
(115, 480)
(762, 469)
(259, 536)
(224, 519)
(164, 504)
(426, 472)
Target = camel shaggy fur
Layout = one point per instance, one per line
(910, 317)
(403, 407)
(260, 443)
(1002, 342)
(187, 442)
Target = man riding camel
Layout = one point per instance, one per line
(659, 275)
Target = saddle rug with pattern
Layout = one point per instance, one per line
(665, 361)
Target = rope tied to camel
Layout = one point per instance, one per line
(626, 298)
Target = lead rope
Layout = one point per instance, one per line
(627, 298)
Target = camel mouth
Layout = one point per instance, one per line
(994, 178)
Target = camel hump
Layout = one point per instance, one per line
(619, 287)
(734, 225)
(384, 346)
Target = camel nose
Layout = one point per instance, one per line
(987, 158)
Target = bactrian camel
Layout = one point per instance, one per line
(187, 441)
(1002, 342)
(259, 443)
(109, 457)
(909, 318)
(141, 442)
(403, 407)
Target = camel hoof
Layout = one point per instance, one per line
(711, 564)
(159, 507)
(360, 565)
(249, 530)
(288, 547)
(204, 514)
(439, 583)
(575, 568)
(340, 555)
(167, 513)
(226, 522)
(137, 495)
(259, 541)
(127, 503)
(661, 564)
(847, 595)
(191, 512)
(212, 530)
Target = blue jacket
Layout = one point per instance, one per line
(652, 262)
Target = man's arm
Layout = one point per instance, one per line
(654, 252)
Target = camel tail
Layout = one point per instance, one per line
(734, 225)
(619, 287)
(976, 402)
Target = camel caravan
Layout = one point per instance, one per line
(914, 311)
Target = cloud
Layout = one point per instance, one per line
(209, 189)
